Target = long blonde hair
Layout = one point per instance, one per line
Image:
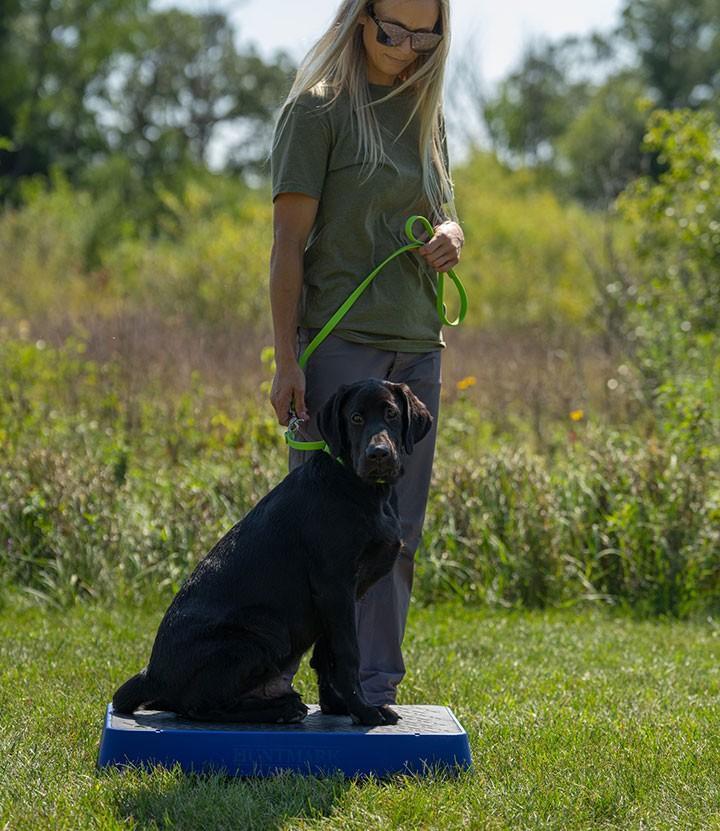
(337, 62)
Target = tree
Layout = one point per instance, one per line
(557, 113)
(11, 71)
(161, 102)
(63, 47)
(677, 43)
(109, 77)
(672, 302)
(599, 153)
(537, 102)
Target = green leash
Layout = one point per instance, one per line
(295, 422)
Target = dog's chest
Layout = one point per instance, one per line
(384, 543)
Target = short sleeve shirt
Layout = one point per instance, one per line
(360, 221)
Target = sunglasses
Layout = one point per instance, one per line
(391, 34)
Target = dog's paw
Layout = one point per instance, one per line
(375, 716)
(294, 713)
(390, 716)
(369, 719)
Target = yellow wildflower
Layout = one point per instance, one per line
(469, 381)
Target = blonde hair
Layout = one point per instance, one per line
(337, 62)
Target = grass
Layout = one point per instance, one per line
(577, 719)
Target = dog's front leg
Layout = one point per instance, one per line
(330, 701)
(337, 613)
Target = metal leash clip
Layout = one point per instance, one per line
(294, 423)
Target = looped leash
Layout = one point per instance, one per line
(295, 422)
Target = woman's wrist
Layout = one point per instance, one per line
(451, 228)
(285, 358)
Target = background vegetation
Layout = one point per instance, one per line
(578, 459)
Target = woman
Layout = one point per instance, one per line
(358, 148)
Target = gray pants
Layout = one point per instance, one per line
(381, 614)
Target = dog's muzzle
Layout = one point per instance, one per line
(380, 461)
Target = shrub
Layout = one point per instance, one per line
(673, 298)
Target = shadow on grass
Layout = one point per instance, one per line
(162, 798)
(168, 798)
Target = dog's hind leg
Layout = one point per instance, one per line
(239, 678)
(285, 709)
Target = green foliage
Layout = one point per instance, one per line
(182, 78)
(44, 246)
(108, 496)
(108, 491)
(677, 43)
(600, 151)
(116, 80)
(68, 47)
(580, 122)
(532, 104)
(210, 264)
(101, 494)
(618, 520)
(523, 264)
(673, 300)
(68, 255)
(614, 518)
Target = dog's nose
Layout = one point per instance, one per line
(376, 452)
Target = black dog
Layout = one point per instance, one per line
(287, 576)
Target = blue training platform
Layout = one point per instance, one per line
(426, 737)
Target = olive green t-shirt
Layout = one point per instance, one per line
(360, 223)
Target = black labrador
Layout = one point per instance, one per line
(287, 576)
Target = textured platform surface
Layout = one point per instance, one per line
(426, 736)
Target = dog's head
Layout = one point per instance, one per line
(371, 424)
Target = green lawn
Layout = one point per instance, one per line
(576, 720)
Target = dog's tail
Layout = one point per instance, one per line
(134, 692)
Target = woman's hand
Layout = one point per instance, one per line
(442, 251)
(288, 385)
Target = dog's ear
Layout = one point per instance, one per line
(330, 422)
(416, 418)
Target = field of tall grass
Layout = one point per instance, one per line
(106, 490)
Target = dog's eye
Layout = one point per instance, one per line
(356, 418)
(392, 413)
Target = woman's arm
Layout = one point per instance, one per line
(293, 218)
